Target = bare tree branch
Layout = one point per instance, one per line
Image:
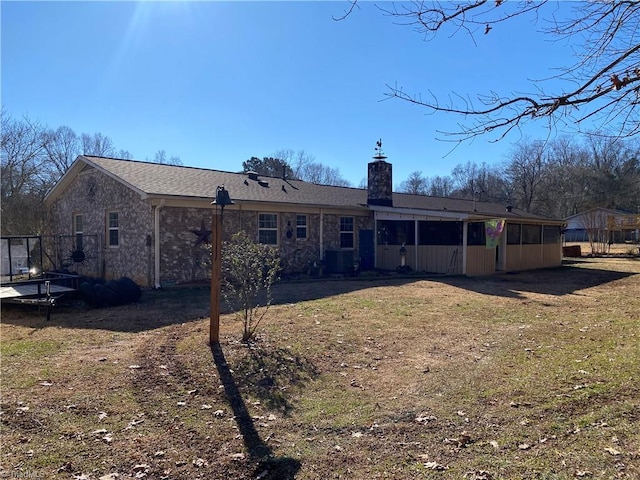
(605, 77)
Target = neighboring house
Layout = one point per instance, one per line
(602, 225)
(152, 222)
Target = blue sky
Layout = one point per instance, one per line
(218, 82)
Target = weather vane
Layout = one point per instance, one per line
(379, 154)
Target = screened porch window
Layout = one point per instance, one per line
(439, 233)
(531, 234)
(514, 233)
(476, 233)
(551, 234)
(396, 232)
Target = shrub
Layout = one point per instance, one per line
(249, 270)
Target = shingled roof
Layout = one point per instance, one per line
(158, 180)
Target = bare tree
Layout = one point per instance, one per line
(613, 173)
(162, 158)
(525, 171)
(34, 158)
(124, 154)
(97, 144)
(23, 155)
(62, 147)
(416, 184)
(24, 179)
(303, 166)
(440, 186)
(603, 85)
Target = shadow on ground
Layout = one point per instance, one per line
(269, 466)
(158, 309)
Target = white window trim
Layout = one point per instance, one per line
(352, 232)
(306, 227)
(110, 228)
(263, 229)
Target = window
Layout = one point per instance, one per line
(113, 229)
(346, 232)
(551, 234)
(396, 232)
(301, 227)
(268, 228)
(78, 226)
(439, 233)
(476, 233)
(513, 233)
(531, 234)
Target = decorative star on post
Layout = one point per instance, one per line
(202, 234)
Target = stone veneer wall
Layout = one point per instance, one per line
(182, 262)
(380, 183)
(93, 194)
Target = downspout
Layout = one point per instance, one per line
(321, 235)
(156, 246)
(465, 229)
(415, 243)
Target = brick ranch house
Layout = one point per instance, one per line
(151, 222)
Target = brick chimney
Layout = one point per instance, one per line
(379, 180)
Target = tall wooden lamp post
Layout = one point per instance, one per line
(222, 199)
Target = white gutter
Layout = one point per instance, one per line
(395, 213)
(156, 246)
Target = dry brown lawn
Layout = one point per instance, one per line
(519, 376)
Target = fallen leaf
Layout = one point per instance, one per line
(110, 476)
(200, 462)
(238, 456)
(356, 434)
(218, 413)
(435, 466)
(102, 415)
(494, 444)
(583, 473)
(524, 446)
(424, 419)
(134, 367)
(46, 384)
(612, 451)
(141, 467)
(133, 423)
(478, 475)
(462, 441)
(206, 407)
